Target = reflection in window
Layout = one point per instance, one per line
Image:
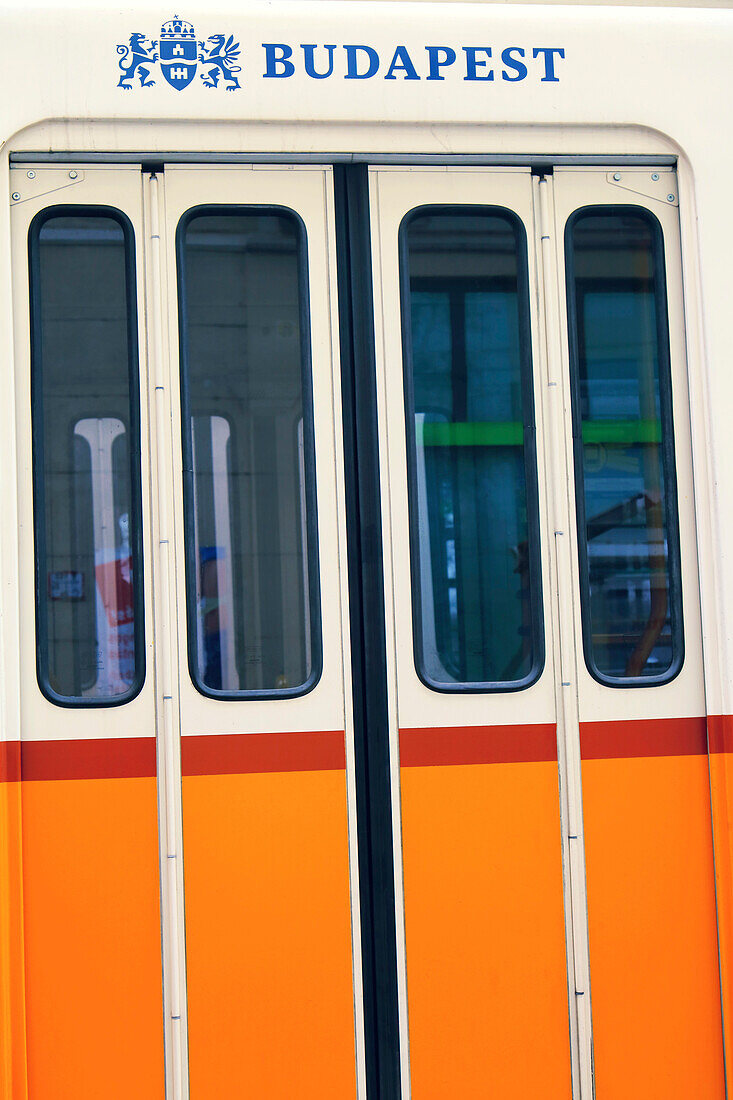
(87, 493)
(102, 455)
(250, 500)
(214, 586)
(626, 489)
(470, 442)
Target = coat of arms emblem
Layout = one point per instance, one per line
(179, 54)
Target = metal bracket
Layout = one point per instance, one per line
(32, 183)
(659, 184)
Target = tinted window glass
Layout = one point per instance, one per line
(624, 451)
(85, 424)
(470, 448)
(248, 452)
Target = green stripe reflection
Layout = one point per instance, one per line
(510, 433)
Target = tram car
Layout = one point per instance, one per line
(365, 578)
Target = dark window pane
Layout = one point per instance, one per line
(626, 490)
(248, 442)
(471, 441)
(87, 489)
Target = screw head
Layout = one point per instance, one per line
(655, 176)
(31, 175)
(15, 195)
(670, 198)
(616, 176)
(73, 175)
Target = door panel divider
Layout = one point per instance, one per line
(368, 641)
(565, 642)
(168, 721)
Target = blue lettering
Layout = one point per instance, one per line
(310, 67)
(549, 60)
(402, 60)
(473, 64)
(362, 62)
(436, 64)
(513, 63)
(352, 62)
(274, 59)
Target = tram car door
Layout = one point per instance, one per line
(186, 593)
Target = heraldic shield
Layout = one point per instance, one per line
(178, 52)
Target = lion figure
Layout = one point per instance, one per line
(135, 58)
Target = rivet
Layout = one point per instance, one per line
(670, 198)
(15, 195)
(655, 176)
(31, 175)
(73, 175)
(616, 176)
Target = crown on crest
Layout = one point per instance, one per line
(177, 28)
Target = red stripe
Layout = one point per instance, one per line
(237, 753)
(720, 732)
(437, 745)
(103, 758)
(643, 737)
(227, 754)
(9, 761)
(134, 757)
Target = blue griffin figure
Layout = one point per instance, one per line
(219, 60)
(135, 58)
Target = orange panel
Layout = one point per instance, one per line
(720, 729)
(268, 936)
(653, 942)
(13, 1083)
(486, 975)
(92, 939)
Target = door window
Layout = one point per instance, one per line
(471, 449)
(624, 454)
(87, 480)
(248, 454)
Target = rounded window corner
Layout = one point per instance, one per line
(477, 687)
(624, 682)
(83, 702)
(254, 694)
